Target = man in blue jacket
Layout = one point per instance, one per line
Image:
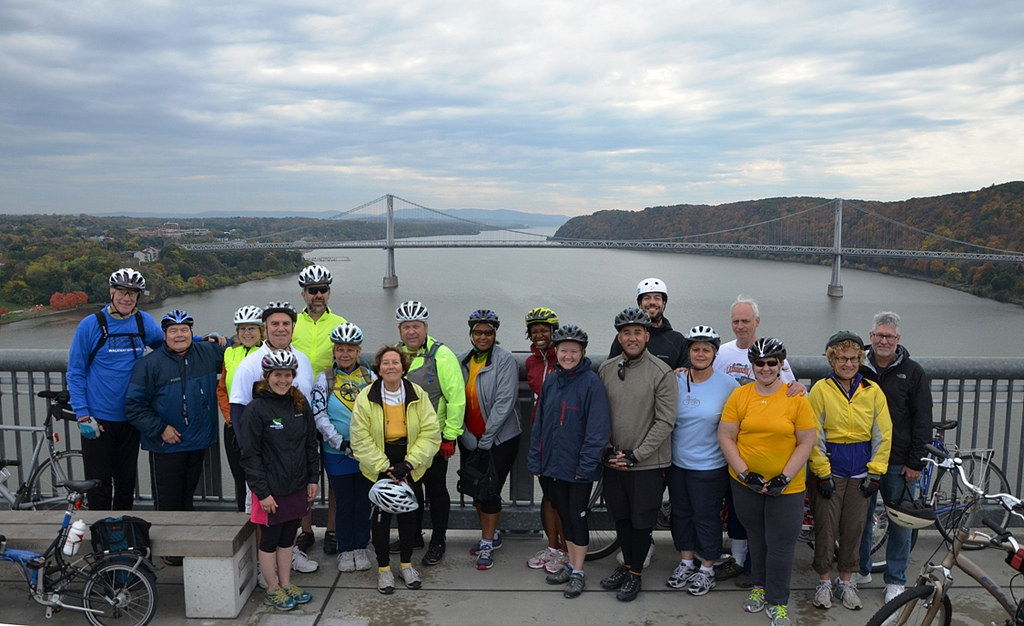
(172, 401)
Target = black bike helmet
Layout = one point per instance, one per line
(279, 307)
(569, 332)
(484, 316)
(766, 347)
(632, 316)
(705, 334)
(176, 316)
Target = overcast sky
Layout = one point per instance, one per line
(542, 106)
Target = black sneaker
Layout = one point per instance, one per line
(173, 561)
(395, 546)
(616, 579)
(435, 552)
(330, 542)
(630, 588)
(576, 585)
(560, 577)
(305, 541)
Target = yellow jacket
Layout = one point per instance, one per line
(852, 430)
(367, 431)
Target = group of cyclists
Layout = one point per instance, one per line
(717, 423)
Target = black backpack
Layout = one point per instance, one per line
(121, 534)
(101, 319)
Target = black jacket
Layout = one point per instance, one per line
(908, 393)
(280, 454)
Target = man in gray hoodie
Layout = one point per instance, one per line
(642, 397)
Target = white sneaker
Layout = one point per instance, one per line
(681, 576)
(302, 563)
(411, 577)
(556, 562)
(847, 592)
(346, 562)
(260, 580)
(647, 560)
(891, 591)
(539, 560)
(362, 559)
(823, 594)
(861, 579)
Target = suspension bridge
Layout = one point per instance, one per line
(818, 230)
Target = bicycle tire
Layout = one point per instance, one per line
(123, 595)
(951, 501)
(42, 492)
(910, 608)
(602, 542)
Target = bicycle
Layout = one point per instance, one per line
(113, 588)
(45, 472)
(944, 493)
(928, 602)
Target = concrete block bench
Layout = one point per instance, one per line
(218, 549)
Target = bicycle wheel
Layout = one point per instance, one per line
(603, 542)
(122, 596)
(911, 607)
(879, 533)
(43, 492)
(951, 501)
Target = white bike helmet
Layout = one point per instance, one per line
(249, 314)
(393, 497)
(315, 275)
(127, 278)
(704, 333)
(651, 285)
(910, 513)
(347, 333)
(279, 360)
(411, 311)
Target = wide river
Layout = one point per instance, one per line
(588, 287)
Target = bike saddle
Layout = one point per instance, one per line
(946, 425)
(80, 486)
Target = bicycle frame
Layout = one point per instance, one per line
(46, 437)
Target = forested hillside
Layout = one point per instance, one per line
(991, 217)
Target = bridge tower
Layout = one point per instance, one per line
(835, 288)
(390, 278)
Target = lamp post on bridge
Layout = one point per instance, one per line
(835, 288)
(390, 278)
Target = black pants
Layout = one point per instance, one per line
(234, 454)
(175, 478)
(113, 459)
(380, 522)
(435, 483)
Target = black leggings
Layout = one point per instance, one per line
(635, 542)
(234, 455)
(380, 522)
(278, 536)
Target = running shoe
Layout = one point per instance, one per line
(560, 577)
(728, 569)
(305, 541)
(495, 544)
(484, 557)
(435, 552)
(411, 577)
(630, 588)
(296, 593)
(755, 601)
(386, 582)
(861, 579)
(779, 614)
(395, 546)
(347, 562)
(701, 582)
(302, 563)
(539, 560)
(577, 583)
(847, 592)
(330, 542)
(681, 576)
(362, 560)
(823, 594)
(892, 590)
(556, 563)
(279, 599)
(616, 579)
(260, 579)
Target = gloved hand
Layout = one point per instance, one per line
(629, 458)
(90, 428)
(777, 485)
(401, 470)
(447, 448)
(826, 486)
(869, 486)
(346, 447)
(753, 481)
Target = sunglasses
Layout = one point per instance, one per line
(762, 363)
(317, 290)
(622, 369)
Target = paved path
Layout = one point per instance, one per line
(454, 592)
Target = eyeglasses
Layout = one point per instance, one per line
(622, 369)
(769, 363)
(884, 337)
(847, 359)
(483, 333)
(317, 290)
(248, 329)
(125, 292)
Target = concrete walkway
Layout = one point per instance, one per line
(454, 592)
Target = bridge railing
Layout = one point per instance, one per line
(986, 395)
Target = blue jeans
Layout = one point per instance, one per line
(897, 544)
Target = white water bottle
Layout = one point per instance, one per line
(74, 538)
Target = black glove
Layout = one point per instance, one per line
(629, 458)
(401, 470)
(777, 485)
(826, 486)
(753, 481)
(869, 486)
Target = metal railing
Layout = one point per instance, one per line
(986, 395)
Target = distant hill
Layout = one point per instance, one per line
(992, 217)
